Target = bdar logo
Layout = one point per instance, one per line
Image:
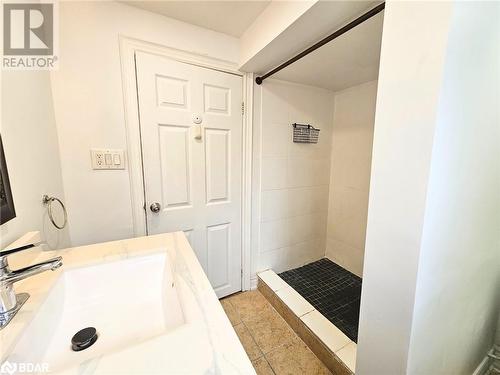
(8, 368)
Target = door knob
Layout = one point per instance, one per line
(155, 207)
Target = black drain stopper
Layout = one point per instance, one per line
(83, 339)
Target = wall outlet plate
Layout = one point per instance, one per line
(106, 159)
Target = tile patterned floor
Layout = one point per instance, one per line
(332, 290)
(272, 346)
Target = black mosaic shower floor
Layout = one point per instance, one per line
(332, 290)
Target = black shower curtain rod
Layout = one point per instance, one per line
(322, 42)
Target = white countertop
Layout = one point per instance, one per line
(207, 343)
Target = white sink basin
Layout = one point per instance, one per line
(152, 305)
(128, 301)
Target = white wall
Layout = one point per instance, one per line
(291, 180)
(350, 175)
(32, 154)
(409, 81)
(89, 110)
(457, 297)
(430, 291)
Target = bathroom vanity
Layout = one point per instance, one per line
(151, 304)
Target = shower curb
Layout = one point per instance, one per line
(328, 355)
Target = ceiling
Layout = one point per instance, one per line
(349, 60)
(228, 17)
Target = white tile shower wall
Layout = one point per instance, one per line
(350, 175)
(294, 178)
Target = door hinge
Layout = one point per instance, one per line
(242, 108)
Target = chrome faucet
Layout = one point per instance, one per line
(10, 302)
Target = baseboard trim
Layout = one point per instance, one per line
(253, 282)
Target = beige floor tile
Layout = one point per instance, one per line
(263, 330)
(262, 367)
(294, 358)
(248, 342)
(249, 305)
(270, 331)
(231, 312)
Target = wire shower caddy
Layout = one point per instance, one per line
(305, 133)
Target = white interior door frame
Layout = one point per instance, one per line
(128, 47)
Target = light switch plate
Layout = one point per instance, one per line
(104, 158)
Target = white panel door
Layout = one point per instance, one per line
(191, 124)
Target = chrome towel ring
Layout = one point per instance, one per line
(48, 201)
